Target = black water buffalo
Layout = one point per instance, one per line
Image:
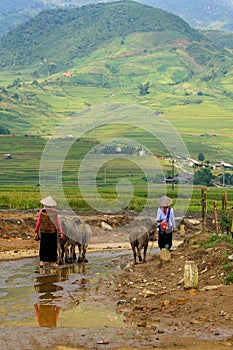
(139, 239)
(75, 233)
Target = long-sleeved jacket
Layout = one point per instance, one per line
(162, 215)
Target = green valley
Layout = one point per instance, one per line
(64, 63)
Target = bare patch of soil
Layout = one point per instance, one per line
(154, 299)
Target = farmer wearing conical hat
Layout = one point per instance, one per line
(49, 225)
(166, 222)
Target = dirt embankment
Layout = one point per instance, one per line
(153, 296)
(108, 231)
(17, 232)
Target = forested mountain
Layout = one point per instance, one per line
(60, 36)
(66, 60)
(204, 14)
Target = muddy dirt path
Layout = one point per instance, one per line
(78, 307)
(111, 304)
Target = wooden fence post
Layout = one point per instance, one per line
(216, 217)
(204, 210)
(224, 209)
(224, 202)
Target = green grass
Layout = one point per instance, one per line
(192, 121)
(215, 240)
(24, 197)
(111, 74)
(229, 278)
(21, 173)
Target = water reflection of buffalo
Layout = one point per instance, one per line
(139, 239)
(75, 233)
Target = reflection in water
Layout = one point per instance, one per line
(47, 315)
(83, 281)
(82, 269)
(47, 308)
(71, 295)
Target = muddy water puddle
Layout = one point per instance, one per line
(67, 296)
(66, 308)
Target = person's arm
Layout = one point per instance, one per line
(173, 219)
(59, 227)
(38, 222)
(158, 218)
(59, 224)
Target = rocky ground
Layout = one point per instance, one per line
(152, 296)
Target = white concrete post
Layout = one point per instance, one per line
(190, 275)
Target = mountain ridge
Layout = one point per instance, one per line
(202, 14)
(78, 32)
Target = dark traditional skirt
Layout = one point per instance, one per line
(48, 247)
(164, 239)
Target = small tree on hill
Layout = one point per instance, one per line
(4, 131)
(144, 89)
(201, 157)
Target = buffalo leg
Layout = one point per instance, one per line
(144, 253)
(74, 254)
(139, 254)
(60, 254)
(85, 253)
(79, 260)
(134, 253)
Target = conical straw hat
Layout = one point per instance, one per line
(164, 201)
(48, 201)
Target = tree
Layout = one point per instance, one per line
(203, 177)
(144, 89)
(128, 149)
(201, 157)
(109, 149)
(4, 131)
(228, 179)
